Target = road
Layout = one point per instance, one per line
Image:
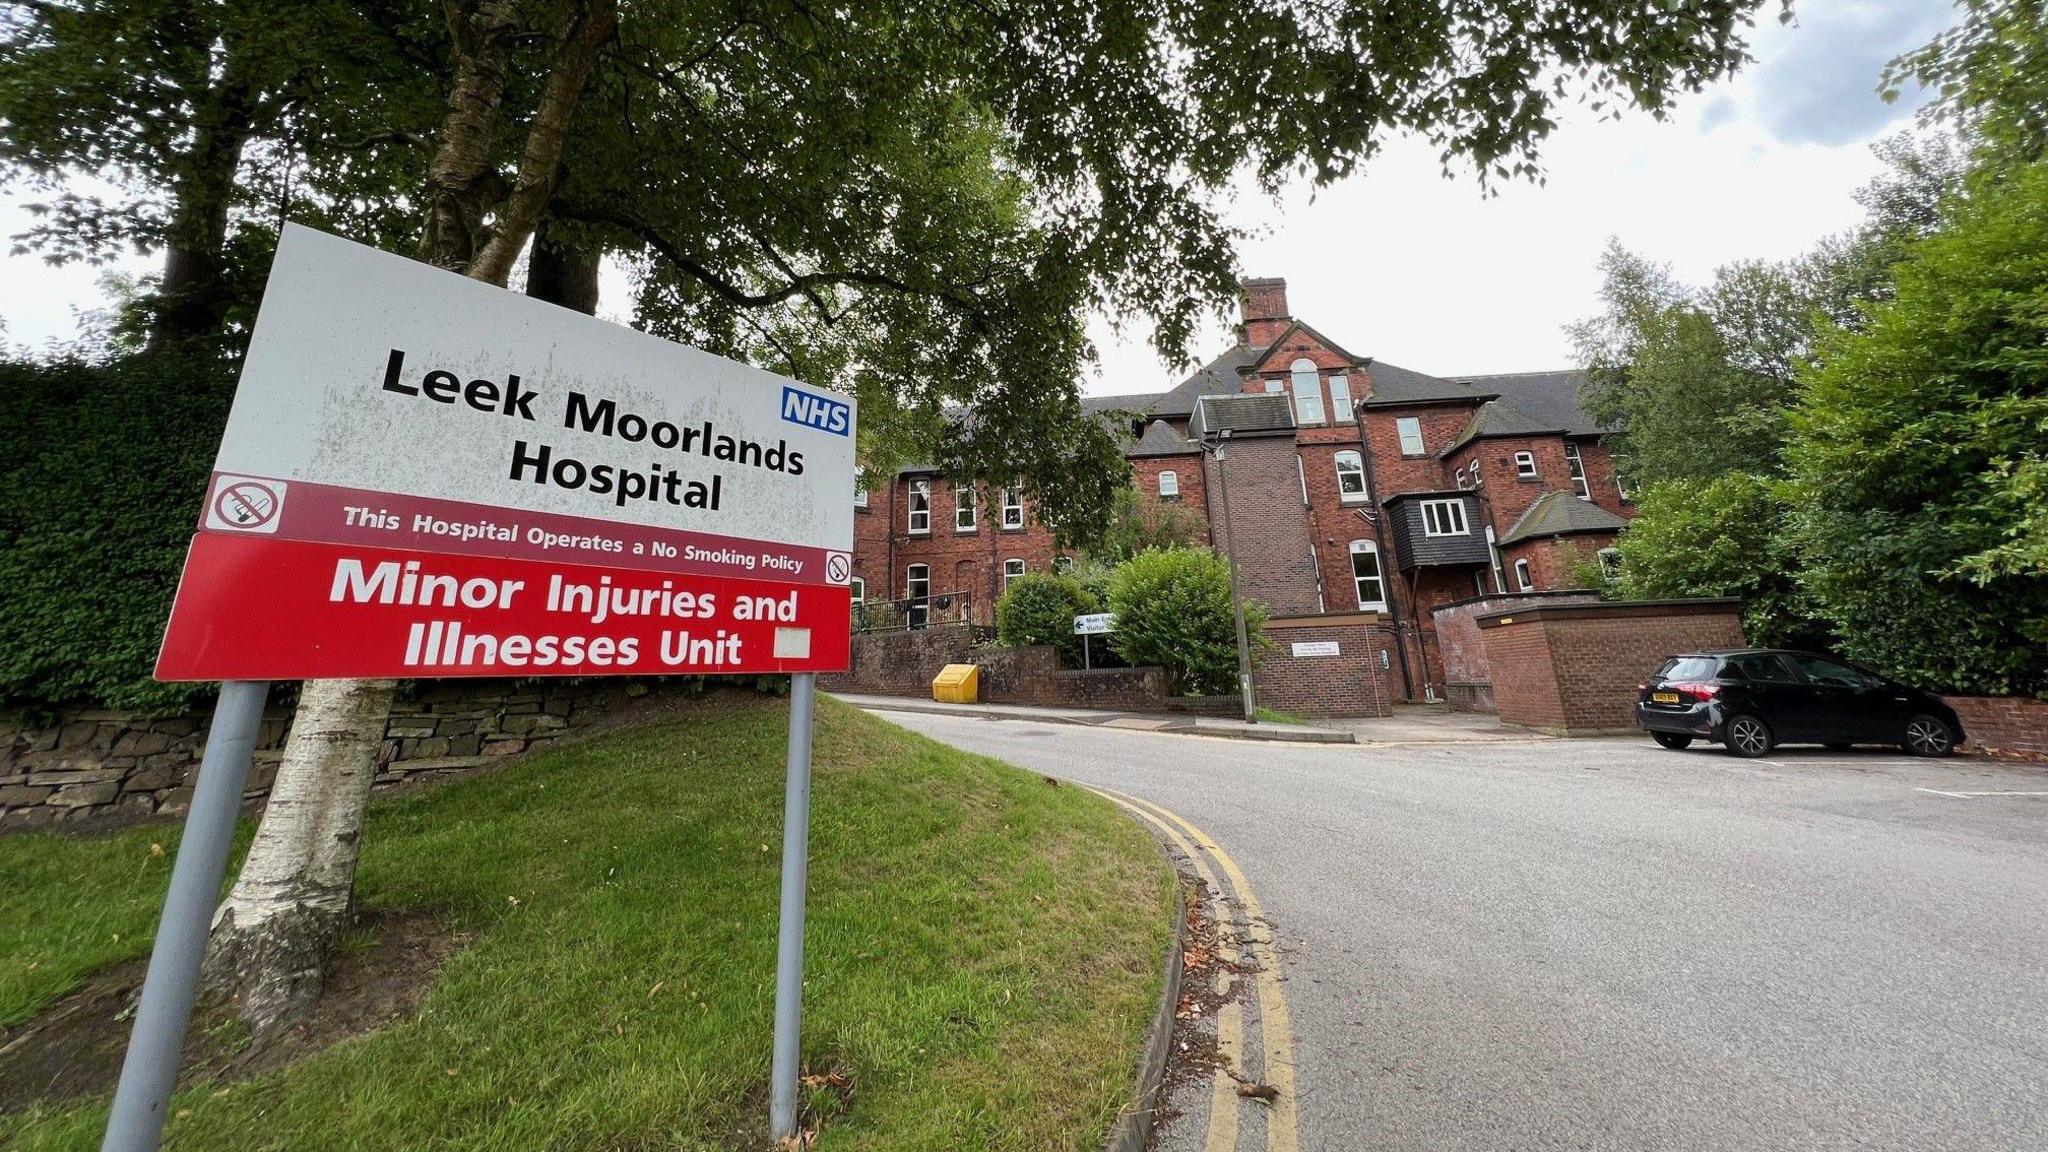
(1598, 944)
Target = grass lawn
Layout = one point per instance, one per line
(984, 950)
(1275, 716)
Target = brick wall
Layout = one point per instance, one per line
(1354, 682)
(1467, 681)
(1572, 669)
(960, 562)
(105, 766)
(1194, 489)
(1393, 472)
(2010, 726)
(1275, 563)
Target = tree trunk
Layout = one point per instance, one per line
(559, 274)
(270, 940)
(193, 298)
(295, 892)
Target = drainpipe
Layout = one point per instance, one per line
(1379, 537)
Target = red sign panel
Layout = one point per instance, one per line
(263, 607)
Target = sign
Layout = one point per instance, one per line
(424, 475)
(1315, 648)
(1095, 624)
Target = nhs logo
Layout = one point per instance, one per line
(800, 407)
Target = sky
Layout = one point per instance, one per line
(1403, 265)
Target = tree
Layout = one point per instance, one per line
(1725, 537)
(1989, 73)
(1918, 453)
(296, 888)
(1039, 608)
(1138, 525)
(1173, 610)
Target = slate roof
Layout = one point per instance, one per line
(1500, 418)
(1393, 384)
(1562, 514)
(1243, 413)
(1139, 402)
(1550, 398)
(1217, 377)
(1161, 440)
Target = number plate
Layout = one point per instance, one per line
(1664, 697)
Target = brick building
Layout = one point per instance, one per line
(1355, 486)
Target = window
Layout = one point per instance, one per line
(1063, 564)
(1833, 673)
(1444, 518)
(1410, 428)
(1169, 484)
(1340, 399)
(1500, 583)
(1525, 465)
(1578, 470)
(1275, 386)
(1365, 575)
(860, 487)
(1460, 476)
(1763, 667)
(1610, 562)
(860, 591)
(917, 589)
(1522, 580)
(963, 507)
(1308, 392)
(1350, 477)
(920, 507)
(1013, 508)
(1011, 570)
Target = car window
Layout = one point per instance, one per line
(1833, 673)
(1689, 668)
(1763, 667)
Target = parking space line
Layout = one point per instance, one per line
(1276, 1033)
(1974, 795)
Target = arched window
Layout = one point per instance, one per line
(1169, 484)
(1308, 391)
(1365, 576)
(1350, 477)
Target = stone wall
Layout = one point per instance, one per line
(1351, 682)
(103, 766)
(1468, 683)
(2011, 726)
(1572, 669)
(904, 663)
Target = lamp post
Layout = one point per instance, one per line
(1244, 650)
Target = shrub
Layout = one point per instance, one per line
(105, 466)
(1728, 537)
(1039, 608)
(1173, 610)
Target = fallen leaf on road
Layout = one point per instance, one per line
(1262, 1092)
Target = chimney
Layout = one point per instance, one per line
(1265, 311)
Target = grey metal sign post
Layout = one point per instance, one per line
(789, 939)
(150, 1070)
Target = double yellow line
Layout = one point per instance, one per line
(1275, 1032)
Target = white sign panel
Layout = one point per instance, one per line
(405, 405)
(1316, 648)
(1095, 624)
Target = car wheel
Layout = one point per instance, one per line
(1672, 740)
(1928, 736)
(1748, 737)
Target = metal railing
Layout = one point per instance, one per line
(913, 612)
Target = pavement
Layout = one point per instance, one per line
(1132, 721)
(1595, 944)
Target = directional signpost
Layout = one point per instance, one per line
(426, 476)
(1090, 625)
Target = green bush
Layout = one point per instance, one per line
(1039, 608)
(104, 466)
(1917, 450)
(1727, 537)
(1173, 610)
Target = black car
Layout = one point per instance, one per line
(1754, 699)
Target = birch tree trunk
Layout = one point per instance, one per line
(268, 949)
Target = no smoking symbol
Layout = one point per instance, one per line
(242, 504)
(838, 568)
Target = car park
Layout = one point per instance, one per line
(1752, 700)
